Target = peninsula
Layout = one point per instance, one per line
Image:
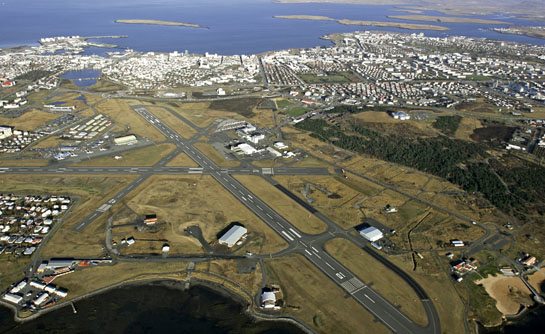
(401, 25)
(160, 23)
(446, 19)
(536, 32)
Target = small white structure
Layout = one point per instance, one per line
(130, 241)
(371, 233)
(256, 137)
(268, 300)
(231, 237)
(401, 115)
(20, 286)
(5, 132)
(220, 92)
(126, 140)
(166, 248)
(41, 299)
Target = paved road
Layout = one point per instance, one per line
(161, 169)
(363, 294)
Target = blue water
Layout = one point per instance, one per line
(82, 78)
(235, 26)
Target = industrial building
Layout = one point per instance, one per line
(371, 233)
(12, 298)
(231, 237)
(5, 132)
(126, 140)
(268, 300)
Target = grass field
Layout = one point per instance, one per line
(173, 122)
(215, 156)
(333, 77)
(105, 86)
(48, 142)
(145, 156)
(312, 297)
(25, 162)
(91, 279)
(201, 114)
(466, 128)
(382, 280)
(243, 106)
(127, 121)
(12, 270)
(432, 275)
(29, 121)
(331, 197)
(282, 204)
(182, 160)
(183, 201)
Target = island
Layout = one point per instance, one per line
(446, 19)
(159, 23)
(400, 25)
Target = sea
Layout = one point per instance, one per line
(154, 308)
(232, 26)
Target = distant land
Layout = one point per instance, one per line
(401, 25)
(160, 23)
(528, 9)
(537, 32)
(446, 19)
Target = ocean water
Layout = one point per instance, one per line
(233, 26)
(151, 309)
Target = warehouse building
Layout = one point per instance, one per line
(5, 132)
(231, 237)
(371, 233)
(12, 298)
(126, 140)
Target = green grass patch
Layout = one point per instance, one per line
(447, 124)
(242, 106)
(329, 77)
(481, 304)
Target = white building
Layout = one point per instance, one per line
(371, 233)
(256, 137)
(401, 115)
(244, 148)
(231, 237)
(126, 140)
(5, 132)
(268, 300)
(11, 298)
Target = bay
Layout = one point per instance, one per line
(233, 27)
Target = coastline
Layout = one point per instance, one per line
(387, 24)
(248, 308)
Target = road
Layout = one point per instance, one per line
(159, 169)
(340, 275)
